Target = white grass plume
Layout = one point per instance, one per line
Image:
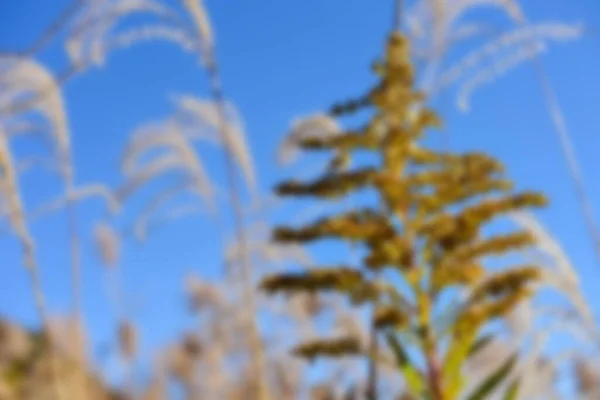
(9, 192)
(148, 33)
(178, 156)
(90, 33)
(502, 47)
(148, 218)
(11, 200)
(26, 80)
(436, 26)
(107, 244)
(95, 32)
(317, 125)
(500, 68)
(558, 270)
(76, 195)
(167, 146)
(432, 23)
(201, 22)
(202, 116)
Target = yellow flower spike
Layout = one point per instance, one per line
(335, 347)
(496, 245)
(457, 275)
(429, 226)
(507, 281)
(389, 316)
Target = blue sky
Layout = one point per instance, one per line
(282, 59)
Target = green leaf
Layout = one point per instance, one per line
(480, 344)
(495, 379)
(453, 365)
(412, 376)
(512, 391)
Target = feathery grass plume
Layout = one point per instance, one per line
(434, 207)
(22, 78)
(78, 194)
(108, 248)
(317, 126)
(149, 219)
(559, 273)
(221, 106)
(503, 50)
(9, 192)
(32, 90)
(196, 26)
(97, 29)
(11, 198)
(177, 156)
(200, 118)
(168, 146)
(436, 25)
(91, 29)
(201, 294)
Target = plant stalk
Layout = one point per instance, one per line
(255, 340)
(373, 368)
(77, 311)
(40, 305)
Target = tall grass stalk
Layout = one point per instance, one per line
(76, 291)
(16, 216)
(566, 144)
(200, 18)
(249, 295)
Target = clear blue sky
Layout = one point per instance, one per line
(281, 59)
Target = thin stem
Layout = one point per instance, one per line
(398, 8)
(434, 376)
(215, 357)
(40, 305)
(115, 294)
(75, 252)
(113, 285)
(131, 384)
(373, 367)
(566, 144)
(50, 32)
(256, 343)
(55, 27)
